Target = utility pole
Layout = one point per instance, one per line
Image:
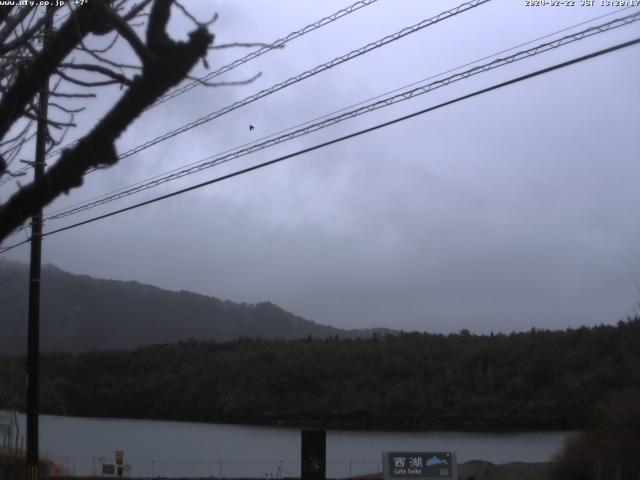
(33, 345)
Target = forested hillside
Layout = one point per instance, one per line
(80, 313)
(533, 380)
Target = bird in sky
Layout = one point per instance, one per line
(251, 127)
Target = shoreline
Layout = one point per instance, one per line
(342, 426)
(478, 469)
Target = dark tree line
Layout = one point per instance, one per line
(609, 446)
(533, 380)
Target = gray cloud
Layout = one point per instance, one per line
(508, 211)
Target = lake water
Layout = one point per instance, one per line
(169, 449)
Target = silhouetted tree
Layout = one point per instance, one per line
(27, 64)
(411, 380)
(609, 448)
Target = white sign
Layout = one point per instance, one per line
(419, 465)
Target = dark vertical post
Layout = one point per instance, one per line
(314, 448)
(33, 346)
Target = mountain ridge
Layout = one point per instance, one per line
(81, 313)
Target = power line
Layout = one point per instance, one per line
(343, 138)
(307, 74)
(217, 159)
(276, 44)
(298, 78)
(254, 146)
(128, 188)
(279, 43)
(255, 54)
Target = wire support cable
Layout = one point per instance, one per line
(358, 133)
(218, 159)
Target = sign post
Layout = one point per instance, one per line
(119, 459)
(314, 457)
(419, 465)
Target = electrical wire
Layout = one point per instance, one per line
(279, 43)
(345, 137)
(252, 147)
(304, 75)
(164, 174)
(308, 73)
(218, 159)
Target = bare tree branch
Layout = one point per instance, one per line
(12, 22)
(168, 63)
(109, 45)
(72, 95)
(226, 84)
(128, 34)
(195, 21)
(107, 61)
(27, 35)
(135, 10)
(243, 45)
(66, 109)
(89, 67)
(53, 123)
(4, 13)
(33, 78)
(85, 83)
(157, 37)
(16, 137)
(55, 142)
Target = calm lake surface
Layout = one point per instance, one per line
(172, 449)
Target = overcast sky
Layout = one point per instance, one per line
(508, 211)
